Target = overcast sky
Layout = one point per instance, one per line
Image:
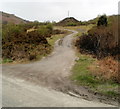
(55, 10)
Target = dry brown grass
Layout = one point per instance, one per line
(107, 69)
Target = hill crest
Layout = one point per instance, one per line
(11, 18)
(69, 21)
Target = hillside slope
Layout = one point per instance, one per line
(111, 18)
(10, 18)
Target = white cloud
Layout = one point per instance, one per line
(56, 10)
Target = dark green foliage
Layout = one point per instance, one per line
(88, 43)
(102, 21)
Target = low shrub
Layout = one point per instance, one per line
(18, 44)
(101, 41)
(45, 30)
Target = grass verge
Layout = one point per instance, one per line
(83, 76)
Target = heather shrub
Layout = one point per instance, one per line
(18, 44)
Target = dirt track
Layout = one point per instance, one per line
(52, 71)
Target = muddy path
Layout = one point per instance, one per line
(54, 71)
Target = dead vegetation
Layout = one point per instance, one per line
(107, 69)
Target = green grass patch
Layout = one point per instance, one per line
(83, 76)
(6, 61)
(109, 89)
(81, 72)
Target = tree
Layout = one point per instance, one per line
(102, 21)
